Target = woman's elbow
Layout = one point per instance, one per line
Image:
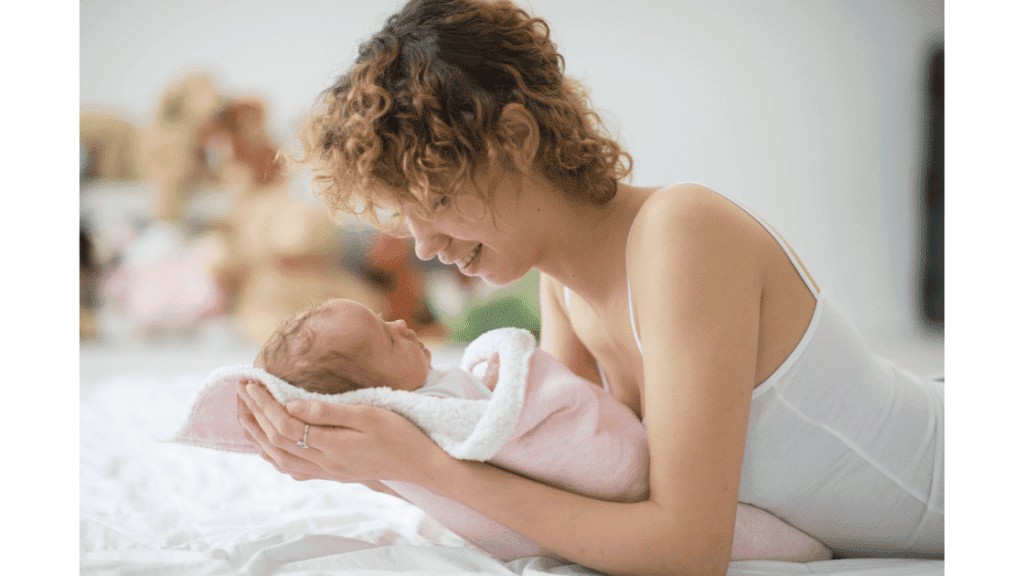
(677, 557)
(703, 553)
(684, 567)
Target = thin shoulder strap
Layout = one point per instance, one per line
(629, 296)
(793, 258)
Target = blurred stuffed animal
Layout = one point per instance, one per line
(285, 255)
(185, 145)
(160, 283)
(173, 147)
(109, 147)
(88, 275)
(159, 278)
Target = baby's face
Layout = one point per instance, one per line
(393, 350)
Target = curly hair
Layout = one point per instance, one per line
(419, 112)
(290, 355)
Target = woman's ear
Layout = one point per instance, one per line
(523, 135)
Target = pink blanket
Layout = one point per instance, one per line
(542, 422)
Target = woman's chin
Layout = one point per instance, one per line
(499, 280)
(495, 277)
(491, 281)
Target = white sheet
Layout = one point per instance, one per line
(151, 508)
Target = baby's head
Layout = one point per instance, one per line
(340, 345)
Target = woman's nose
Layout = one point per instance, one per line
(428, 241)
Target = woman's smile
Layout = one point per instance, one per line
(466, 261)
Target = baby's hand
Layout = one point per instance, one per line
(490, 378)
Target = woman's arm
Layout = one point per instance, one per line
(698, 306)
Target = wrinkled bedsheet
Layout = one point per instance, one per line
(152, 508)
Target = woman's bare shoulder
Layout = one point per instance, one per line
(685, 212)
(684, 199)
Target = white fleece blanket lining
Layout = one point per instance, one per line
(465, 429)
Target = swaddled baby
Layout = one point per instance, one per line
(339, 346)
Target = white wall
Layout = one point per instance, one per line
(810, 111)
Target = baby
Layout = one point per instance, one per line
(340, 345)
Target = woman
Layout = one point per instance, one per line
(687, 307)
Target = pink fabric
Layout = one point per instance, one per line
(212, 421)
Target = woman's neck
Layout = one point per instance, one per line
(586, 244)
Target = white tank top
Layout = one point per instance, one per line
(843, 444)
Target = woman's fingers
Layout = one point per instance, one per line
(284, 460)
(283, 452)
(344, 443)
(243, 414)
(341, 428)
(326, 414)
(280, 426)
(264, 433)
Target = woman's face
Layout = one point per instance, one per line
(492, 241)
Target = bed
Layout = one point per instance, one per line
(151, 508)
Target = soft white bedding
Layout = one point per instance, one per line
(150, 508)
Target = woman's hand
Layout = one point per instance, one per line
(346, 443)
